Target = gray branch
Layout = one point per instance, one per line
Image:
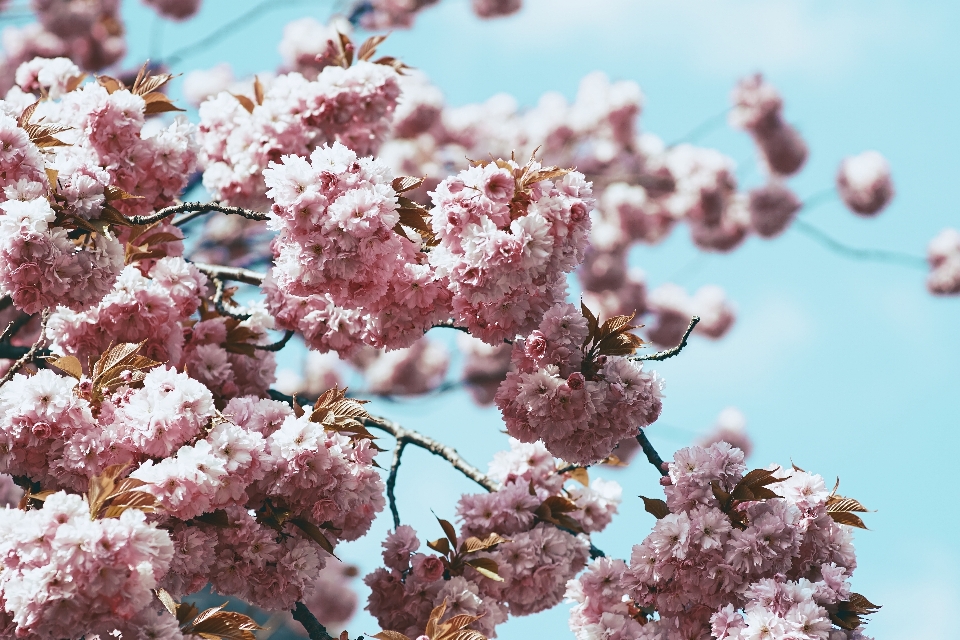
(30, 354)
(669, 353)
(194, 209)
(236, 274)
(436, 448)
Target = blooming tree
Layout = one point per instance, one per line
(150, 448)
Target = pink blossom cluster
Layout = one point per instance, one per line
(579, 407)
(508, 237)
(294, 115)
(730, 427)
(378, 15)
(304, 42)
(254, 462)
(65, 575)
(485, 367)
(673, 307)
(108, 142)
(415, 370)
(89, 32)
(943, 253)
(340, 260)
(758, 109)
(779, 564)
(536, 560)
(175, 9)
(41, 265)
(333, 601)
(864, 183)
(157, 309)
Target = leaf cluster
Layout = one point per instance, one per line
(340, 53)
(524, 177)
(453, 629)
(147, 86)
(751, 488)
(246, 102)
(455, 556)
(120, 365)
(612, 338)
(555, 510)
(277, 516)
(240, 338)
(336, 412)
(109, 495)
(212, 624)
(144, 244)
(42, 134)
(412, 214)
(848, 612)
(844, 510)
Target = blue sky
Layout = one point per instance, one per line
(848, 368)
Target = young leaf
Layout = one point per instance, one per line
(474, 544)
(580, 475)
(390, 635)
(68, 364)
(440, 545)
(486, 567)
(449, 531)
(257, 90)
(406, 183)
(167, 601)
(314, 533)
(656, 507)
(369, 47)
(244, 101)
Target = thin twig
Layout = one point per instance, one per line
(707, 126)
(436, 448)
(28, 356)
(276, 346)
(227, 29)
(448, 324)
(392, 480)
(220, 306)
(236, 274)
(652, 456)
(199, 208)
(871, 255)
(315, 630)
(669, 353)
(15, 325)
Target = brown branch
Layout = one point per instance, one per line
(392, 480)
(669, 353)
(194, 209)
(436, 448)
(236, 274)
(29, 355)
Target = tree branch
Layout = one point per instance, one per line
(236, 274)
(15, 325)
(29, 355)
(854, 253)
(315, 630)
(197, 208)
(436, 448)
(220, 306)
(669, 353)
(392, 480)
(652, 456)
(276, 346)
